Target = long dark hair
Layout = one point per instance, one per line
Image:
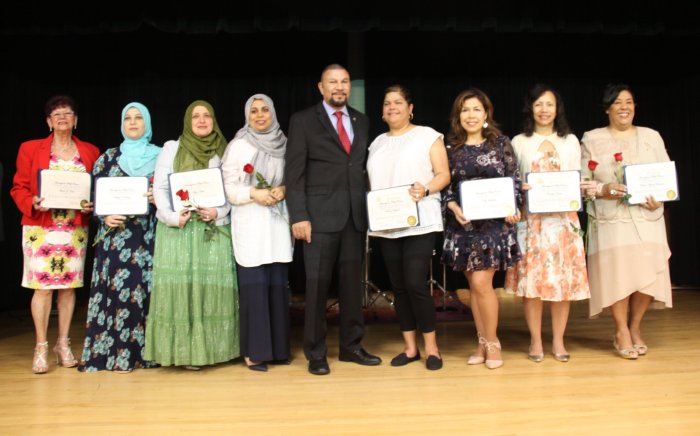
(458, 136)
(561, 124)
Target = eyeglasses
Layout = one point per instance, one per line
(57, 115)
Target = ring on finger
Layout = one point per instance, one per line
(613, 191)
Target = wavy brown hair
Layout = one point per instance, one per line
(458, 136)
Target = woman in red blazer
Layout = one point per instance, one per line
(54, 241)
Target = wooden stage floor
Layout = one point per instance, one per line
(595, 393)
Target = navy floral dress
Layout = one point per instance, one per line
(120, 288)
(481, 244)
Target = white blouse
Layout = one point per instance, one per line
(403, 160)
(260, 234)
(161, 187)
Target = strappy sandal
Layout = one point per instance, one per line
(39, 364)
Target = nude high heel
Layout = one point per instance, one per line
(625, 353)
(39, 364)
(491, 347)
(474, 359)
(64, 355)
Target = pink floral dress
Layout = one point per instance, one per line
(54, 256)
(553, 266)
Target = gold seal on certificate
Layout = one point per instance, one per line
(391, 209)
(656, 179)
(554, 191)
(64, 189)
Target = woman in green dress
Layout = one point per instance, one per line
(193, 316)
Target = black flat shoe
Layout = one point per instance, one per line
(280, 362)
(258, 367)
(402, 359)
(319, 367)
(433, 363)
(359, 356)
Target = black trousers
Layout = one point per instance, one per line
(343, 249)
(264, 311)
(407, 262)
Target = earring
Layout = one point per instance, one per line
(383, 119)
(485, 125)
(50, 129)
(410, 116)
(75, 126)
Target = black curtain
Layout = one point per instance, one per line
(107, 66)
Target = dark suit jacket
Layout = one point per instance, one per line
(324, 184)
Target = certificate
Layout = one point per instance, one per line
(391, 208)
(656, 179)
(121, 196)
(554, 191)
(64, 189)
(487, 198)
(198, 188)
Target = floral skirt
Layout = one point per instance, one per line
(193, 314)
(54, 257)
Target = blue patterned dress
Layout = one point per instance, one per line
(120, 288)
(481, 244)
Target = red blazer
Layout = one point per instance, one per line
(34, 156)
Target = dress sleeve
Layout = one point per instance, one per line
(451, 191)
(512, 170)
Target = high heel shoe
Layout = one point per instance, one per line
(64, 355)
(641, 349)
(474, 359)
(39, 364)
(625, 353)
(491, 347)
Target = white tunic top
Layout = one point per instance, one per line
(403, 160)
(260, 234)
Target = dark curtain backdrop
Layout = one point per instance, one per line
(168, 63)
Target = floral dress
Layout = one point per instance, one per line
(553, 267)
(120, 288)
(54, 256)
(481, 244)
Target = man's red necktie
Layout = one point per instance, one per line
(344, 138)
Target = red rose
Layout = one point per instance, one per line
(592, 165)
(184, 195)
(248, 168)
(150, 180)
(618, 157)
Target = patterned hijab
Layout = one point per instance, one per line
(194, 151)
(271, 144)
(138, 156)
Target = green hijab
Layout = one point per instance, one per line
(195, 151)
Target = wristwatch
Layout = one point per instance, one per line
(427, 191)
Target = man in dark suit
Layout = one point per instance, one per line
(325, 179)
